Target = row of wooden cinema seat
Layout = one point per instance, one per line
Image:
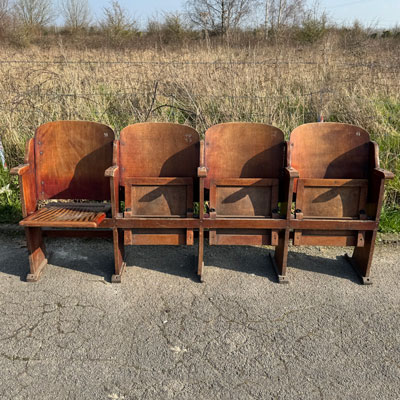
(323, 187)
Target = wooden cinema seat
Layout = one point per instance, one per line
(155, 165)
(339, 193)
(244, 168)
(64, 161)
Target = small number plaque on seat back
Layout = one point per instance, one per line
(331, 198)
(244, 198)
(158, 197)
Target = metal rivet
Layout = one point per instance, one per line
(41, 153)
(42, 182)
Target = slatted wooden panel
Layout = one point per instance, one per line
(243, 150)
(68, 216)
(159, 150)
(330, 150)
(70, 158)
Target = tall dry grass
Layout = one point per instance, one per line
(282, 85)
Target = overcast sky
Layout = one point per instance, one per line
(379, 13)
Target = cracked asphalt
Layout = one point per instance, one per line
(162, 335)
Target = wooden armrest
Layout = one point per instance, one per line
(383, 174)
(157, 181)
(111, 171)
(202, 172)
(291, 172)
(20, 170)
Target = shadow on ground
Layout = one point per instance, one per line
(95, 257)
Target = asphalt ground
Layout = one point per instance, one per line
(163, 335)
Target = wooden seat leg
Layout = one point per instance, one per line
(362, 258)
(279, 260)
(37, 253)
(119, 255)
(200, 258)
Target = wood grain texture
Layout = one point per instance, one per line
(158, 169)
(73, 215)
(27, 181)
(330, 150)
(159, 150)
(70, 160)
(243, 150)
(244, 197)
(331, 198)
(37, 253)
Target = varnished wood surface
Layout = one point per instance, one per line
(330, 150)
(66, 215)
(159, 150)
(243, 150)
(244, 197)
(27, 181)
(70, 160)
(331, 198)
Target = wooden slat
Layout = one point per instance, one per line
(334, 182)
(157, 223)
(170, 239)
(246, 223)
(245, 182)
(327, 224)
(321, 240)
(150, 181)
(243, 240)
(68, 216)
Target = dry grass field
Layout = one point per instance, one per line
(280, 85)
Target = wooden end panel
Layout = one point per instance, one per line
(244, 197)
(331, 198)
(327, 238)
(27, 182)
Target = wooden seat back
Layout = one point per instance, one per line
(70, 160)
(159, 164)
(333, 164)
(244, 162)
(330, 151)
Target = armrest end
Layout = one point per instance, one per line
(383, 174)
(202, 172)
(291, 172)
(111, 171)
(20, 170)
